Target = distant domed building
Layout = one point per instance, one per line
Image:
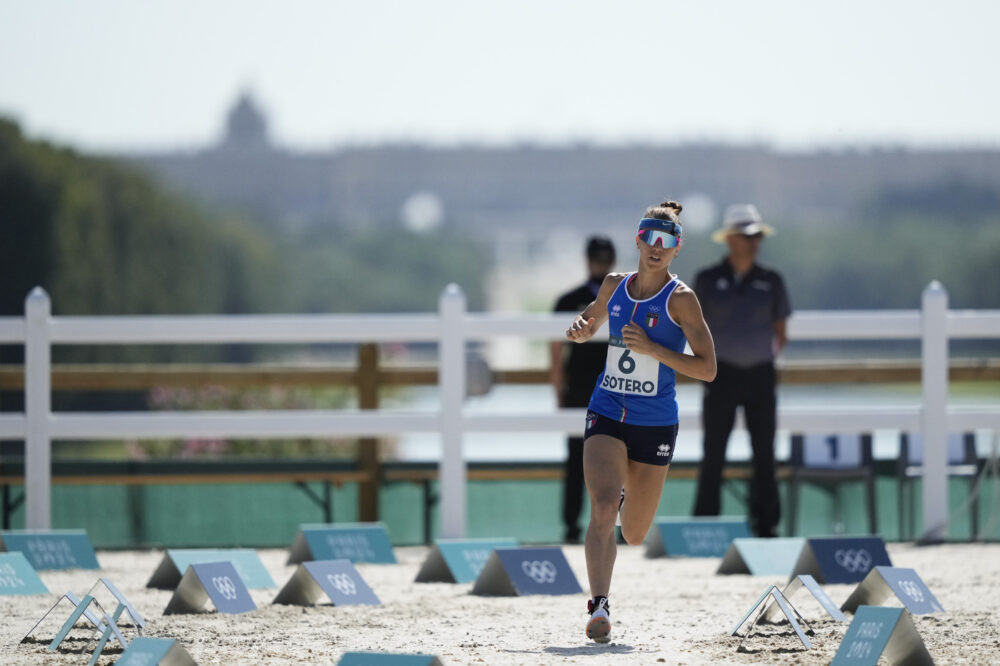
(246, 126)
(527, 189)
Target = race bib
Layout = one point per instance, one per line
(628, 372)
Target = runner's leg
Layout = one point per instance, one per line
(643, 487)
(605, 465)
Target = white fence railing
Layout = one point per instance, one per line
(452, 327)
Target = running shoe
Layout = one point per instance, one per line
(599, 624)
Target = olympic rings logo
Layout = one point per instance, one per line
(540, 572)
(225, 586)
(342, 582)
(854, 560)
(912, 590)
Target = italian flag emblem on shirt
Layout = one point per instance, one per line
(651, 319)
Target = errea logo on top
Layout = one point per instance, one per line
(616, 310)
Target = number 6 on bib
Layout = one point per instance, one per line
(628, 373)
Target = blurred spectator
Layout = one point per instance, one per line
(746, 307)
(574, 370)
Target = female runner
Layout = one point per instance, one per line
(632, 417)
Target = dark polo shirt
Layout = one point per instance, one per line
(741, 315)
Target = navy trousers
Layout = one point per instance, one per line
(754, 389)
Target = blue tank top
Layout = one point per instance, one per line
(636, 388)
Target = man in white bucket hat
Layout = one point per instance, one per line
(742, 219)
(746, 307)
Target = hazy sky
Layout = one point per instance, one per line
(119, 74)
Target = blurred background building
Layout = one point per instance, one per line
(532, 188)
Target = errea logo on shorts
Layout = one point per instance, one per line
(663, 450)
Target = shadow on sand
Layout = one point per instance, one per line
(595, 649)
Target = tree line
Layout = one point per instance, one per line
(103, 238)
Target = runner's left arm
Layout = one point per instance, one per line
(686, 311)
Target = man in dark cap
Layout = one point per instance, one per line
(746, 307)
(574, 370)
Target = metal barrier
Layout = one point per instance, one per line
(452, 327)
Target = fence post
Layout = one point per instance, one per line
(934, 414)
(37, 408)
(451, 384)
(368, 446)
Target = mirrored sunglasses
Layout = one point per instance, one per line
(656, 237)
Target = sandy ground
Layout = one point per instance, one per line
(664, 611)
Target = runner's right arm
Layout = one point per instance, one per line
(594, 315)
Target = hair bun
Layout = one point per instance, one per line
(672, 204)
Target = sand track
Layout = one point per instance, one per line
(663, 611)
